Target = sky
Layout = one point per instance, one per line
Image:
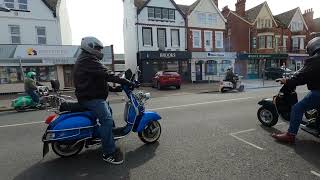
(104, 18)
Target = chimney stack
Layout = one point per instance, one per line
(216, 2)
(308, 17)
(241, 7)
(225, 11)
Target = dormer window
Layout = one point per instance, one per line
(9, 4)
(17, 4)
(264, 23)
(296, 26)
(161, 13)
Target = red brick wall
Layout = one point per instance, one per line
(239, 40)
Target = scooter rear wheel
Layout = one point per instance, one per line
(67, 149)
(267, 116)
(151, 133)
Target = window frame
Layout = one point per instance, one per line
(260, 42)
(269, 43)
(151, 36)
(165, 36)
(205, 39)
(222, 44)
(155, 13)
(193, 39)
(149, 12)
(24, 4)
(15, 34)
(11, 2)
(162, 13)
(177, 30)
(41, 36)
(174, 14)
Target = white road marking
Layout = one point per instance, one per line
(196, 104)
(162, 108)
(242, 131)
(240, 139)
(315, 173)
(22, 124)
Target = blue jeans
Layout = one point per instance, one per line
(34, 96)
(309, 102)
(102, 110)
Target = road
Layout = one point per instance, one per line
(204, 136)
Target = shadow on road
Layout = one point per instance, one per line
(88, 165)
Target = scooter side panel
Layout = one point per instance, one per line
(73, 126)
(147, 117)
(22, 101)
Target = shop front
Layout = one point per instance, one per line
(297, 61)
(210, 66)
(251, 66)
(49, 62)
(151, 62)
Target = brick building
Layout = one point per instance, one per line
(263, 40)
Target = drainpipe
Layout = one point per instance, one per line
(249, 39)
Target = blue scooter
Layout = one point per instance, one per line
(73, 127)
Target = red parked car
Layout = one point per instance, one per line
(165, 79)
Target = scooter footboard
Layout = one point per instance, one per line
(147, 117)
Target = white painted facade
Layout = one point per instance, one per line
(209, 8)
(57, 29)
(265, 18)
(135, 21)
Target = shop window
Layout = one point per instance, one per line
(147, 36)
(44, 73)
(253, 66)
(211, 67)
(10, 75)
(225, 64)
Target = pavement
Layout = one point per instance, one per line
(204, 136)
(5, 100)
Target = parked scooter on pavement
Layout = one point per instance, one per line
(25, 102)
(280, 105)
(226, 86)
(73, 127)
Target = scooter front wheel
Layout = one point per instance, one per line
(67, 149)
(267, 116)
(151, 132)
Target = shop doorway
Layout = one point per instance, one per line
(68, 76)
(199, 71)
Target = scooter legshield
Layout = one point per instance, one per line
(147, 117)
(72, 127)
(22, 101)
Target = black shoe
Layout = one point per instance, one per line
(114, 158)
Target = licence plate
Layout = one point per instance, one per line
(45, 149)
(172, 78)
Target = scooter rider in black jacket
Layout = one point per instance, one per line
(91, 79)
(309, 75)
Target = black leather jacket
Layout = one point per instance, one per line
(91, 78)
(230, 76)
(309, 74)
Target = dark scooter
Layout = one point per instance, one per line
(280, 105)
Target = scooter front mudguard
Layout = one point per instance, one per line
(268, 103)
(147, 117)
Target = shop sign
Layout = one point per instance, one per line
(38, 51)
(160, 55)
(215, 54)
(262, 56)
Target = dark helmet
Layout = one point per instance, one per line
(313, 46)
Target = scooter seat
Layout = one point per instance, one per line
(72, 106)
